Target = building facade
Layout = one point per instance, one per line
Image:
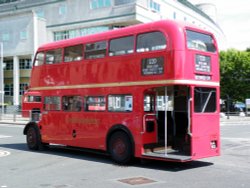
(26, 24)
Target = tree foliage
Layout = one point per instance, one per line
(235, 74)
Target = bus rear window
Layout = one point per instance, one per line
(204, 100)
(200, 41)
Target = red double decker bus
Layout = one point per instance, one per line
(146, 91)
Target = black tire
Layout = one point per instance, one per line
(120, 148)
(33, 138)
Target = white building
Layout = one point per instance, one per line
(26, 24)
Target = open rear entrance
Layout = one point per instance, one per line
(166, 123)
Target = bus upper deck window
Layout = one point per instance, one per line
(121, 46)
(73, 53)
(151, 42)
(39, 59)
(95, 50)
(200, 41)
(54, 56)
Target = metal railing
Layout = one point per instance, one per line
(18, 116)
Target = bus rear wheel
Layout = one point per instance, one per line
(120, 148)
(33, 138)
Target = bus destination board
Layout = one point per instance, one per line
(152, 66)
(202, 63)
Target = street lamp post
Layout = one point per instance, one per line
(228, 107)
(1, 79)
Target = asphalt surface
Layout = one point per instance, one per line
(61, 168)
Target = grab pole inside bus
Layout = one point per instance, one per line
(166, 119)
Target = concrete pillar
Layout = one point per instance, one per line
(16, 81)
(35, 32)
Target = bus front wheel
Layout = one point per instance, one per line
(120, 148)
(33, 138)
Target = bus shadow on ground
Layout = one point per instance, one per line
(96, 156)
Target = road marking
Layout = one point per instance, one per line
(235, 123)
(4, 153)
(12, 126)
(236, 139)
(5, 136)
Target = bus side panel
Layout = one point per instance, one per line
(53, 129)
(89, 129)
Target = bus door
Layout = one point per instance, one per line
(204, 122)
(157, 116)
(171, 115)
(149, 128)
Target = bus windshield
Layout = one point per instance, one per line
(200, 41)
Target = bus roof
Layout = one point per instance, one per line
(172, 28)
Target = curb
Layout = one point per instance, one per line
(13, 123)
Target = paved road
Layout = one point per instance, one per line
(60, 168)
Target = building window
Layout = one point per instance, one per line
(154, 6)
(73, 33)
(8, 64)
(40, 13)
(121, 2)
(7, 1)
(121, 46)
(95, 50)
(5, 37)
(25, 64)
(72, 103)
(94, 4)
(22, 88)
(67, 34)
(8, 89)
(61, 35)
(93, 30)
(62, 10)
(174, 15)
(94, 103)
(23, 35)
(120, 103)
(52, 103)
